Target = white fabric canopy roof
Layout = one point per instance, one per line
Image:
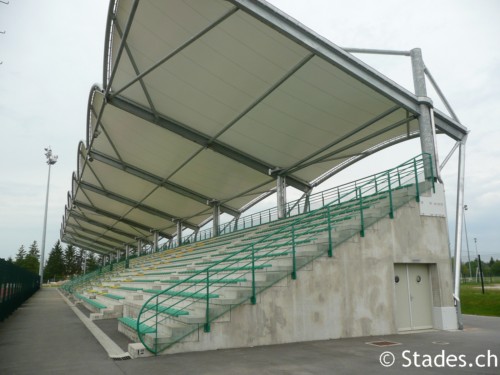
(206, 101)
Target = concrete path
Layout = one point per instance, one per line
(45, 336)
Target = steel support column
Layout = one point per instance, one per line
(127, 251)
(427, 135)
(179, 232)
(155, 241)
(458, 229)
(215, 217)
(139, 247)
(281, 196)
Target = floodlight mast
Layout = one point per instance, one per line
(51, 160)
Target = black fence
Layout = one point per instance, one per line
(16, 286)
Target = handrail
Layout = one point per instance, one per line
(356, 191)
(319, 199)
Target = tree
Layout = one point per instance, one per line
(495, 268)
(92, 262)
(70, 261)
(31, 261)
(55, 268)
(21, 253)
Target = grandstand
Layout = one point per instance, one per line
(208, 107)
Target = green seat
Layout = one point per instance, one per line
(113, 296)
(91, 301)
(167, 310)
(132, 323)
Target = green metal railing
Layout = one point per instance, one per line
(293, 208)
(82, 281)
(240, 267)
(16, 286)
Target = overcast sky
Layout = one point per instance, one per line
(52, 53)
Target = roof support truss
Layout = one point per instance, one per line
(80, 217)
(157, 180)
(94, 233)
(116, 217)
(131, 203)
(201, 139)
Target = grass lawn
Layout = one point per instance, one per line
(476, 303)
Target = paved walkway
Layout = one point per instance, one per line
(45, 336)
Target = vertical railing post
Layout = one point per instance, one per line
(294, 262)
(389, 187)
(207, 311)
(253, 299)
(330, 244)
(432, 172)
(156, 325)
(399, 177)
(417, 190)
(361, 215)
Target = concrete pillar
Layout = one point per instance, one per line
(127, 251)
(281, 196)
(427, 132)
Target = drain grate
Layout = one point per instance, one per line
(383, 343)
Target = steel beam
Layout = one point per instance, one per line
(86, 245)
(449, 126)
(367, 124)
(79, 217)
(176, 51)
(450, 154)
(101, 244)
(441, 95)
(108, 84)
(94, 233)
(427, 133)
(156, 180)
(130, 202)
(458, 229)
(376, 51)
(113, 216)
(200, 139)
(327, 156)
(333, 54)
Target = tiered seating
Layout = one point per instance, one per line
(167, 295)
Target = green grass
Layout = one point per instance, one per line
(476, 303)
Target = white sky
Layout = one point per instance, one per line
(52, 53)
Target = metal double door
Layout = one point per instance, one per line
(413, 296)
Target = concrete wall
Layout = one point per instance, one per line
(351, 294)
